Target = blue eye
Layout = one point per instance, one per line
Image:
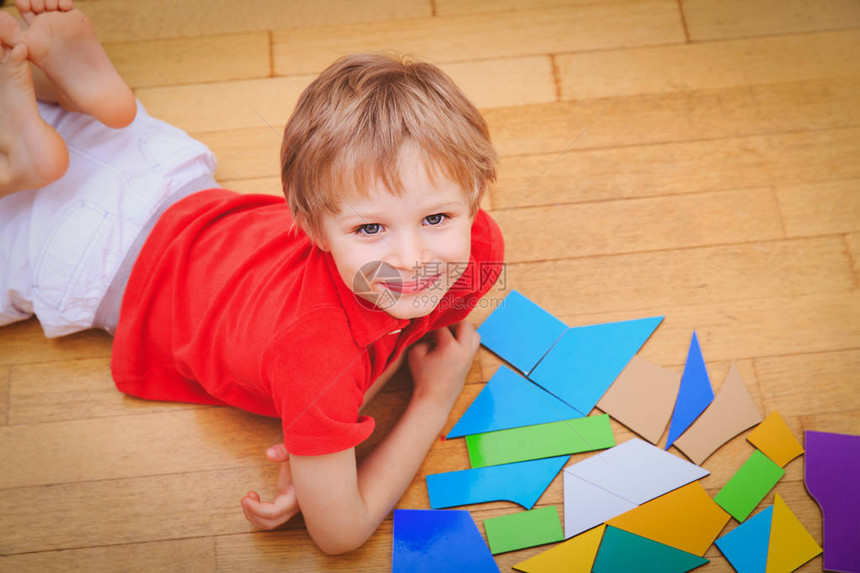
(368, 229)
(435, 219)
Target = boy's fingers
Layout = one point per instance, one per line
(277, 453)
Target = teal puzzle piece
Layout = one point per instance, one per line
(623, 551)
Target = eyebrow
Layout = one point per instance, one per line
(351, 215)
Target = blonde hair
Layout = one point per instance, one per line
(351, 123)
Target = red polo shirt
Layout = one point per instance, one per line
(227, 305)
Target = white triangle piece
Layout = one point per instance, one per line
(637, 471)
(587, 505)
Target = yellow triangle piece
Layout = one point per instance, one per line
(686, 519)
(576, 555)
(790, 544)
(775, 440)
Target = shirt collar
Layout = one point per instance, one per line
(367, 324)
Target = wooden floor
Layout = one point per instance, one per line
(698, 159)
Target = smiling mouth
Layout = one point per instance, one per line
(411, 287)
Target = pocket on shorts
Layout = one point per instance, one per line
(63, 257)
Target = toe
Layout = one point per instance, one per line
(10, 31)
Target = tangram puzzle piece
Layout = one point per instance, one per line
(832, 470)
(731, 412)
(749, 485)
(628, 475)
(695, 394)
(642, 397)
(746, 545)
(790, 545)
(540, 441)
(621, 551)
(438, 540)
(521, 483)
(523, 529)
(775, 440)
(586, 505)
(686, 519)
(520, 331)
(575, 555)
(585, 361)
(510, 401)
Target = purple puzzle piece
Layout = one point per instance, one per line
(833, 479)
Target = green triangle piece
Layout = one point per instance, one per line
(523, 529)
(540, 441)
(621, 551)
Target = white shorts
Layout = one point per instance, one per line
(61, 245)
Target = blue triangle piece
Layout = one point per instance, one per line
(695, 394)
(621, 552)
(511, 401)
(520, 331)
(430, 540)
(521, 482)
(586, 360)
(745, 546)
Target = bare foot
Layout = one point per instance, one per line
(32, 154)
(62, 43)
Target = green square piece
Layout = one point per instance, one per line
(523, 529)
(745, 490)
(540, 441)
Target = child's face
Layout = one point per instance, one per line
(402, 252)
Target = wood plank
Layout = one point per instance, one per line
(79, 451)
(131, 510)
(707, 275)
(820, 208)
(844, 422)
(25, 343)
(485, 36)
(793, 384)
(630, 225)
(4, 395)
(245, 153)
(719, 19)
(192, 60)
(551, 128)
(191, 555)
(677, 168)
(161, 19)
(663, 118)
(73, 390)
(270, 101)
(458, 7)
(710, 65)
(261, 185)
(505, 82)
(852, 242)
(258, 103)
(295, 551)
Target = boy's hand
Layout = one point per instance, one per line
(439, 364)
(285, 504)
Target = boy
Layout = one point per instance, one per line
(299, 310)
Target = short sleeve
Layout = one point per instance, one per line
(317, 373)
(486, 267)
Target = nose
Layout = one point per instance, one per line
(408, 252)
